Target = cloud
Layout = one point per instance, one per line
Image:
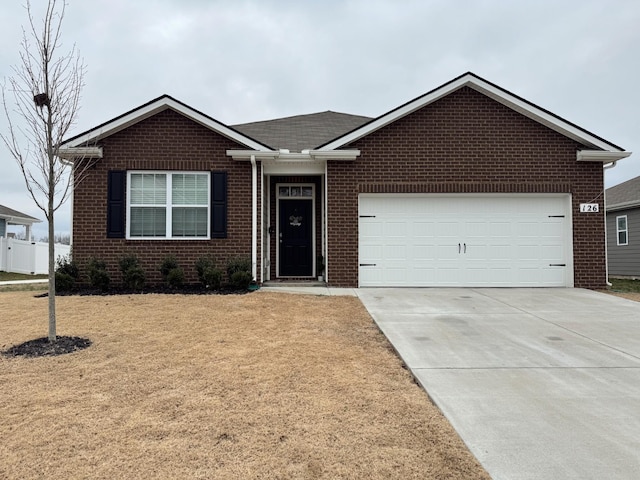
(241, 61)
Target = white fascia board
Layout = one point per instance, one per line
(519, 105)
(347, 155)
(600, 156)
(151, 109)
(623, 206)
(306, 156)
(20, 220)
(72, 153)
(245, 155)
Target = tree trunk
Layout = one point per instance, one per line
(52, 277)
(50, 218)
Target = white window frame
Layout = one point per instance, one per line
(169, 205)
(624, 230)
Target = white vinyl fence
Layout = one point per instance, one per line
(20, 256)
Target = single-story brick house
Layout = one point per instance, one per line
(466, 185)
(623, 229)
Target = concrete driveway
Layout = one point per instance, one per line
(539, 383)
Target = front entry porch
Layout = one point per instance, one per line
(295, 228)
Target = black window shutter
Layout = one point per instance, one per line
(116, 189)
(218, 204)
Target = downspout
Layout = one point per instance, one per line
(606, 236)
(325, 234)
(73, 189)
(261, 223)
(254, 217)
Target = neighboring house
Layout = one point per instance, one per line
(623, 228)
(466, 185)
(9, 216)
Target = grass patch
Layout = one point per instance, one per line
(264, 385)
(10, 276)
(624, 285)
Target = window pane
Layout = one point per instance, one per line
(622, 238)
(189, 222)
(148, 189)
(189, 189)
(622, 223)
(148, 222)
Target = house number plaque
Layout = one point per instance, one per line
(589, 207)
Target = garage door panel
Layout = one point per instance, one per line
(418, 240)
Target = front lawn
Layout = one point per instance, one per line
(624, 285)
(263, 385)
(8, 276)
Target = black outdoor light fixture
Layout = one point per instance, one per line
(41, 99)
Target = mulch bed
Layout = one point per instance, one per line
(42, 347)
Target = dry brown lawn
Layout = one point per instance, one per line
(264, 385)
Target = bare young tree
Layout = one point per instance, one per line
(41, 102)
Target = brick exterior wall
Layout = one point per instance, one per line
(165, 141)
(465, 143)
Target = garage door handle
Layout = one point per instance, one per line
(458, 248)
(367, 264)
(465, 247)
(557, 264)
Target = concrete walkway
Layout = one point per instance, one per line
(539, 383)
(24, 282)
(316, 290)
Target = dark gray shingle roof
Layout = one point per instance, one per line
(10, 212)
(626, 193)
(302, 131)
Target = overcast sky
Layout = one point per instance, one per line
(242, 61)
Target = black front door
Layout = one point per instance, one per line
(296, 230)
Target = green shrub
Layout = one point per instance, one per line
(208, 274)
(134, 278)
(241, 279)
(66, 266)
(67, 272)
(132, 273)
(211, 278)
(128, 262)
(175, 278)
(171, 272)
(202, 263)
(98, 275)
(238, 264)
(168, 264)
(64, 282)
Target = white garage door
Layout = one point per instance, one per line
(465, 240)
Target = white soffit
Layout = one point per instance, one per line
(600, 156)
(492, 91)
(305, 156)
(152, 108)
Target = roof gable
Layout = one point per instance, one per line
(492, 91)
(153, 107)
